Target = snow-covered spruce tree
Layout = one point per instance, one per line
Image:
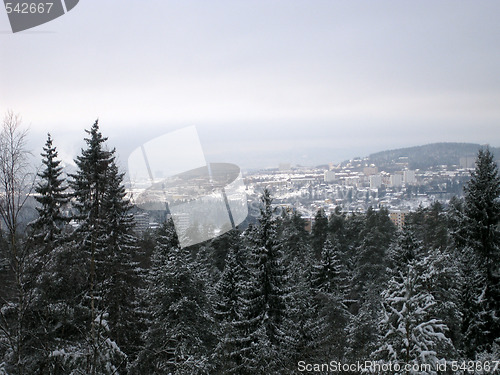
(319, 232)
(329, 287)
(439, 275)
(371, 256)
(268, 293)
(369, 279)
(221, 245)
(410, 334)
(336, 223)
(471, 278)
(363, 327)
(96, 191)
(403, 249)
(294, 239)
(482, 210)
(329, 274)
(232, 340)
(308, 332)
(179, 338)
(46, 237)
(51, 197)
(119, 270)
(435, 227)
(337, 229)
(482, 249)
(455, 217)
(210, 257)
(298, 258)
(350, 238)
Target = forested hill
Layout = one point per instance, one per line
(84, 291)
(423, 157)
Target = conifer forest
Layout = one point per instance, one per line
(83, 292)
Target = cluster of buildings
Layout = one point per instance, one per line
(358, 184)
(370, 177)
(352, 186)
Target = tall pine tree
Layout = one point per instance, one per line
(120, 271)
(319, 232)
(179, 338)
(267, 311)
(103, 246)
(369, 279)
(47, 237)
(482, 240)
(410, 334)
(229, 318)
(51, 197)
(329, 286)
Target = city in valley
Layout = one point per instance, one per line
(400, 181)
(355, 185)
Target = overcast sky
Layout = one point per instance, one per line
(263, 81)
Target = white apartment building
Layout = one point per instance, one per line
(375, 181)
(396, 180)
(409, 177)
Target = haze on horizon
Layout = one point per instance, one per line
(305, 82)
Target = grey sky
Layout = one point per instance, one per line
(264, 81)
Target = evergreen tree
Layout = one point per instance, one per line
(337, 229)
(329, 274)
(482, 210)
(293, 238)
(350, 241)
(89, 186)
(482, 251)
(229, 317)
(102, 246)
(319, 232)
(405, 248)
(270, 278)
(221, 245)
(370, 259)
(353, 227)
(179, 337)
(369, 279)
(409, 332)
(309, 329)
(51, 196)
(435, 227)
(363, 328)
(47, 236)
(329, 286)
(430, 226)
(306, 337)
(120, 273)
(337, 222)
(439, 275)
(267, 313)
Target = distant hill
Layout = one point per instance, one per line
(423, 157)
